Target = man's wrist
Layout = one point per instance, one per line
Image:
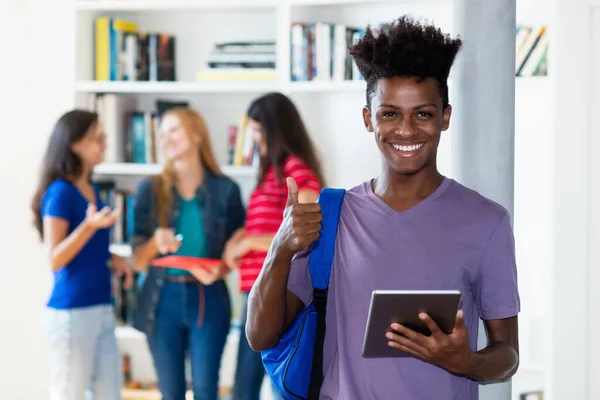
(472, 365)
(284, 254)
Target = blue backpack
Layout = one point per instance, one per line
(295, 365)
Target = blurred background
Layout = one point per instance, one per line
(53, 59)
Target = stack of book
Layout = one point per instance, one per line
(319, 51)
(531, 51)
(123, 53)
(241, 60)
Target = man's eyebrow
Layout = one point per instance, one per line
(385, 105)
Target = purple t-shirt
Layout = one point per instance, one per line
(453, 239)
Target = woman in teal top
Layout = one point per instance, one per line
(190, 209)
(190, 227)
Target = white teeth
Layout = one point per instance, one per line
(407, 148)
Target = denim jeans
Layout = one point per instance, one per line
(250, 372)
(85, 360)
(191, 320)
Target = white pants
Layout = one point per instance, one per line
(85, 360)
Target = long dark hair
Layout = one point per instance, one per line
(60, 161)
(285, 135)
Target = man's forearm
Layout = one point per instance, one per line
(497, 362)
(267, 301)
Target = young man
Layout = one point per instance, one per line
(410, 228)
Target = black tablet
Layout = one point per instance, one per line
(403, 307)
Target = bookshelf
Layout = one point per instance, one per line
(230, 87)
(331, 109)
(174, 87)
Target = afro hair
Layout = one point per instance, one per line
(406, 49)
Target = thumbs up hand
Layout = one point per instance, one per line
(301, 223)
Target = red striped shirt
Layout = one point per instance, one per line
(265, 212)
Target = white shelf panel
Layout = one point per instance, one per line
(342, 2)
(128, 332)
(239, 172)
(134, 169)
(127, 169)
(120, 249)
(229, 86)
(158, 5)
(327, 86)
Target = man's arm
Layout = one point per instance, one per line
(271, 307)
(499, 360)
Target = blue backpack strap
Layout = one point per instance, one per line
(321, 253)
(320, 262)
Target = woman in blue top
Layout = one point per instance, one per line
(74, 225)
(190, 209)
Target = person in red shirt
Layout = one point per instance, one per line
(285, 151)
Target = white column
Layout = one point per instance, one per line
(483, 119)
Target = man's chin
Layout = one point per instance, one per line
(406, 170)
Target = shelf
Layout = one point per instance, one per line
(224, 86)
(160, 5)
(227, 86)
(327, 86)
(127, 169)
(134, 169)
(120, 249)
(298, 3)
(127, 332)
(239, 172)
(154, 394)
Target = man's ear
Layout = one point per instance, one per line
(446, 117)
(368, 118)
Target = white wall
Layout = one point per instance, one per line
(34, 77)
(573, 346)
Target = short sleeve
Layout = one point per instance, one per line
(299, 281)
(495, 288)
(305, 178)
(58, 201)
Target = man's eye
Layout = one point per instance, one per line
(387, 114)
(424, 114)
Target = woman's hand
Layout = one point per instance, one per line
(122, 267)
(100, 219)
(166, 240)
(234, 251)
(208, 277)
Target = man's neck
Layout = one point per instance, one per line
(402, 192)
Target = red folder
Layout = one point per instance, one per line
(185, 262)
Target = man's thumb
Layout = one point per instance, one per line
(292, 191)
